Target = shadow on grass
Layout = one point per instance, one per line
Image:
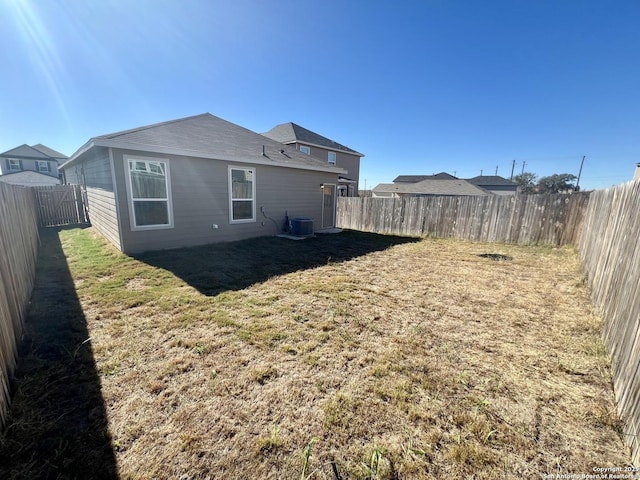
(213, 269)
(57, 425)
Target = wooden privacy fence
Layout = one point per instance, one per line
(61, 205)
(610, 252)
(19, 243)
(524, 219)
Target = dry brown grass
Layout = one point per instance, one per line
(425, 357)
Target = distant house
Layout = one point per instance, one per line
(198, 180)
(325, 149)
(428, 188)
(31, 165)
(495, 184)
(420, 178)
(491, 183)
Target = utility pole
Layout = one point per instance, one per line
(513, 166)
(523, 164)
(580, 173)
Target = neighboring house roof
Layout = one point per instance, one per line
(50, 152)
(289, 132)
(29, 178)
(25, 151)
(432, 187)
(207, 136)
(419, 178)
(491, 181)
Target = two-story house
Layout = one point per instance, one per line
(31, 165)
(322, 148)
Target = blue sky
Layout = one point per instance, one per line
(419, 87)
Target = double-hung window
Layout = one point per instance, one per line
(13, 164)
(331, 157)
(149, 193)
(242, 195)
(42, 165)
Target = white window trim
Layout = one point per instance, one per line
(253, 195)
(307, 147)
(132, 213)
(335, 158)
(11, 160)
(39, 163)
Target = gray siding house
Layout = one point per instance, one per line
(30, 165)
(198, 180)
(325, 149)
(495, 184)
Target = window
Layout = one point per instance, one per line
(242, 194)
(331, 157)
(14, 164)
(305, 149)
(42, 166)
(149, 193)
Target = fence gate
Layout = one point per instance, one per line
(61, 205)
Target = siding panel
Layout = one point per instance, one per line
(93, 172)
(102, 213)
(199, 192)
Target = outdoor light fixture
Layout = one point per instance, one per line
(322, 186)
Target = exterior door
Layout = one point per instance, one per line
(328, 205)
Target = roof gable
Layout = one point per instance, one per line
(25, 151)
(207, 136)
(290, 133)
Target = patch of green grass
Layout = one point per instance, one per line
(339, 412)
(263, 374)
(270, 443)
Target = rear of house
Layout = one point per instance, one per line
(198, 180)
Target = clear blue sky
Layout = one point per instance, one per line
(419, 87)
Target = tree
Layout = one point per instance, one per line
(526, 182)
(557, 183)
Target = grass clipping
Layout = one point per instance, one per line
(423, 360)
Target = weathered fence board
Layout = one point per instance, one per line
(610, 253)
(527, 219)
(19, 242)
(61, 205)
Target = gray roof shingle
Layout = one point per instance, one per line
(290, 133)
(432, 187)
(25, 151)
(207, 136)
(50, 151)
(419, 178)
(491, 181)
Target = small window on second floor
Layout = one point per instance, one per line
(14, 164)
(305, 149)
(42, 166)
(331, 157)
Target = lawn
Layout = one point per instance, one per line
(353, 356)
